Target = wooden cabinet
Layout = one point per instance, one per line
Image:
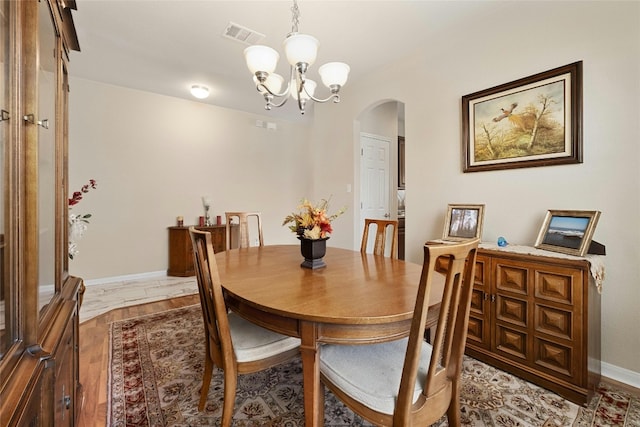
(181, 251)
(39, 300)
(537, 317)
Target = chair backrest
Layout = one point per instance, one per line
(442, 380)
(243, 222)
(381, 236)
(214, 310)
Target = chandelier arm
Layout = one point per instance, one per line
(261, 86)
(284, 101)
(263, 78)
(334, 96)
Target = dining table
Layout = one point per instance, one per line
(355, 299)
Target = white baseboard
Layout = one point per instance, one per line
(127, 278)
(621, 375)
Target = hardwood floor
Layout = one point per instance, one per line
(94, 355)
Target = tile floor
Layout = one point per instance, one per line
(100, 298)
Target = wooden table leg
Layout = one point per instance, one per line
(313, 398)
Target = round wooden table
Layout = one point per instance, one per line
(355, 299)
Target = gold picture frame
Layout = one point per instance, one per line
(463, 222)
(567, 232)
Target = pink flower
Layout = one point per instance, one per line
(77, 195)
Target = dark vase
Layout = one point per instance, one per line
(313, 251)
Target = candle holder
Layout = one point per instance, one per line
(207, 218)
(207, 205)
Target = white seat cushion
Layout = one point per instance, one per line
(253, 342)
(371, 374)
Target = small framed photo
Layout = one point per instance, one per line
(568, 232)
(463, 222)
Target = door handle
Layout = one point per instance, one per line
(30, 118)
(387, 215)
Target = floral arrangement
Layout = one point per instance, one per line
(312, 221)
(78, 222)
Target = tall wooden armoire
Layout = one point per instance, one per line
(39, 300)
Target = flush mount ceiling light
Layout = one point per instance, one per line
(199, 91)
(301, 51)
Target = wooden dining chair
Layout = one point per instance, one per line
(233, 344)
(409, 382)
(379, 245)
(243, 222)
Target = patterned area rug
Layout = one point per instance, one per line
(156, 369)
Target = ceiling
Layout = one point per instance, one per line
(165, 46)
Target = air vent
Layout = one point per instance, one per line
(242, 34)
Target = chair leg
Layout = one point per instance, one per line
(206, 381)
(230, 385)
(453, 416)
(453, 413)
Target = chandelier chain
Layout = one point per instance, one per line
(295, 17)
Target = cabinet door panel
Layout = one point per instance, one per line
(64, 381)
(554, 357)
(512, 310)
(512, 342)
(476, 331)
(479, 329)
(552, 321)
(555, 286)
(45, 120)
(511, 278)
(6, 39)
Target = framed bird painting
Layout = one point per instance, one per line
(533, 121)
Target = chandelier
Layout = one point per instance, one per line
(301, 51)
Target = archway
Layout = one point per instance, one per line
(383, 119)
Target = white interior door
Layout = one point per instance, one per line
(374, 180)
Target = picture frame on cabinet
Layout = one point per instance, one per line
(567, 231)
(533, 121)
(463, 222)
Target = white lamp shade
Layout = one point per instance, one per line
(301, 48)
(309, 86)
(274, 83)
(334, 73)
(199, 91)
(261, 58)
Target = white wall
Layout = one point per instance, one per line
(154, 157)
(527, 38)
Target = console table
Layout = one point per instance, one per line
(536, 314)
(181, 251)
